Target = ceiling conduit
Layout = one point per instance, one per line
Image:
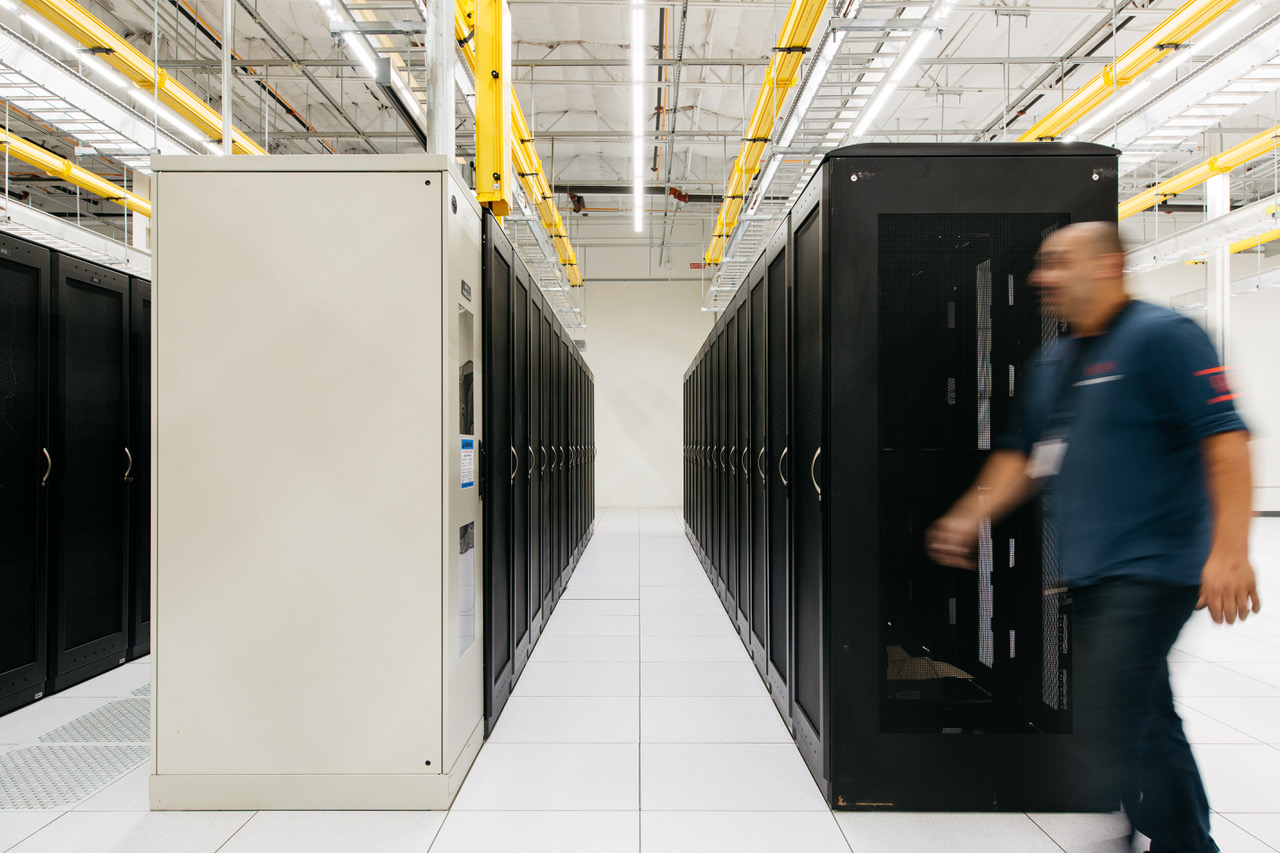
(1174, 31)
(1237, 155)
(125, 58)
(524, 156)
(783, 72)
(54, 166)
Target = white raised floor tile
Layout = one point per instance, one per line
(552, 777)
(575, 678)
(726, 777)
(1263, 827)
(904, 832)
(579, 649)
(740, 832)
(703, 719)
(724, 649)
(539, 832)
(138, 832)
(545, 719)
(701, 679)
(16, 825)
(336, 832)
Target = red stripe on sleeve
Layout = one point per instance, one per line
(1210, 371)
(1222, 399)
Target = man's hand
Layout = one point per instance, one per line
(1228, 587)
(952, 540)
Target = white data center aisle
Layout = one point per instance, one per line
(640, 725)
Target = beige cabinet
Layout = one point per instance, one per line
(317, 636)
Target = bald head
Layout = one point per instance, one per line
(1080, 273)
(1096, 238)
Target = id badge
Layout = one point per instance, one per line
(1046, 458)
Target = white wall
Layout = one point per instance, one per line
(641, 337)
(1254, 352)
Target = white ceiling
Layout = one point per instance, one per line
(1003, 58)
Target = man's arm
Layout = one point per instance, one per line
(1001, 487)
(1227, 584)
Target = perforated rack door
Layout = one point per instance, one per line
(759, 471)
(24, 349)
(498, 566)
(88, 537)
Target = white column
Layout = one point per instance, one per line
(140, 227)
(439, 55)
(1217, 193)
(228, 38)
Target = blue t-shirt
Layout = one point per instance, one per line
(1130, 498)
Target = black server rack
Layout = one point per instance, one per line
(776, 334)
(497, 376)
(539, 594)
(521, 566)
(537, 491)
(25, 468)
(139, 476)
(74, 471)
(88, 494)
(888, 321)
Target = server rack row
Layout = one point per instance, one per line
(844, 400)
(538, 483)
(74, 470)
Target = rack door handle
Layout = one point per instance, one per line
(129, 467)
(760, 466)
(812, 475)
(733, 456)
(746, 471)
(530, 446)
(515, 463)
(48, 461)
(543, 449)
(785, 451)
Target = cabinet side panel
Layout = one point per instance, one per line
(298, 390)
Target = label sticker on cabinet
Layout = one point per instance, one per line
(466, 587)
(468, 462)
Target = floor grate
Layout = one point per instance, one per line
(49, 776)
(121, 721)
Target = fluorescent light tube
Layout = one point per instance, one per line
(146, 98)
(362, 52)
(1225, 27)
(766, 178)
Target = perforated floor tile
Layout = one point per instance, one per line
(121, 721)
(48, 776)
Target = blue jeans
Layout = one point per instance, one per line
(1123, 631)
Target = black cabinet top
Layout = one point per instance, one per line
(973, 149)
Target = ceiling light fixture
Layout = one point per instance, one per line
(146, 99)
(357, 45)
(637, 118)
(906, 59)
(1132, 91)
(67, 46)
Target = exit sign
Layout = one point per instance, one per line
(697, 266)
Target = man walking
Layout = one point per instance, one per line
(1132, 422)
